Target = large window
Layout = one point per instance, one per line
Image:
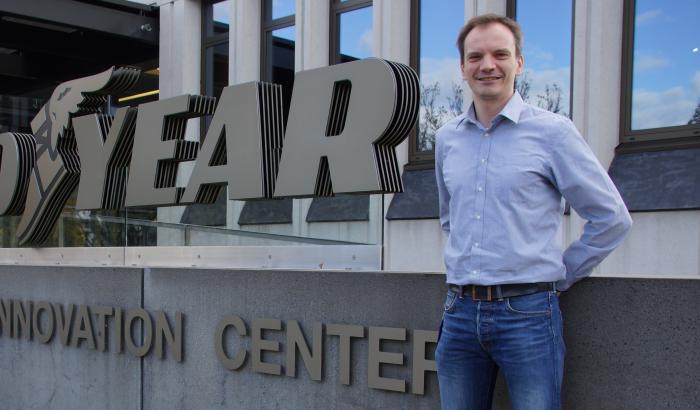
(351, 30)
(436, 25)
(279, 36)
(546, 80)
(661, 73)
(215, 25)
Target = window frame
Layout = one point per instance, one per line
(512, 12)
(267, 26)
(209, 41)
(650, 139)
(337, 8)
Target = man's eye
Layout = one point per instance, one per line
(474, 58)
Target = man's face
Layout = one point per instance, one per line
(490, 62)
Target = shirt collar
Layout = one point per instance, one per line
(511, 110)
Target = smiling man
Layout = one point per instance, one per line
(502, 169)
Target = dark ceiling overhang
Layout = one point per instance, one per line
(80, 15)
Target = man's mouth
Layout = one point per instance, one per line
(492, 78)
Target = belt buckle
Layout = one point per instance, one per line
(489, 296)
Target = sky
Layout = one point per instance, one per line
(666, 74)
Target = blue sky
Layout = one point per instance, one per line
(356, 33)
(666, 77)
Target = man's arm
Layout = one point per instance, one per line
(588, 189)
(443, 194)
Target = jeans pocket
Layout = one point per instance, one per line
(536, 304)
(450, 301)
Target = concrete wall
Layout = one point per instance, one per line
(631, 343)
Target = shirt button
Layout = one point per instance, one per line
(476, 244)
(474, 272)
(483, 160)
(479, 188)
(486, 134)
(477, 216)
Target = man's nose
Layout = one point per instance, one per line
(487, 63)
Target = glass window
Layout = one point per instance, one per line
(216, 18)
(438, 65)
(546, 81)
(281, 62)
(283, 8)
(216, 62)
(355, 35)
(666, 64)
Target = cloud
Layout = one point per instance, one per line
(647, 16)
(539, 79)
(653, 109)
(365, 42)
(646, 62)
(537, 57)
(444, 71)
(696, 83)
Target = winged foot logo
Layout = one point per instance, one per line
(131, 158)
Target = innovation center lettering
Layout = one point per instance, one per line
(139, 333)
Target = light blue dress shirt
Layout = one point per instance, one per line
(501, 204)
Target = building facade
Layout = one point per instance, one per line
(333, 302)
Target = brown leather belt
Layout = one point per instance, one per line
(489, 293)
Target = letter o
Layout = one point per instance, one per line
(131, 347)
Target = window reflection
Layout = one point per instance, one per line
(355, 35)
(546, 81)
(666, 67)
(441, 83)
(283, 8)
(216, 69)
(281, 65)
(217, 18)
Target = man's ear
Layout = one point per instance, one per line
(521, 64)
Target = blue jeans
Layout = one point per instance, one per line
(520, 336)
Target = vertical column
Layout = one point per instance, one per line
(392, 41)
(243, 66)
(179, 60)
(312, 49)
(597, 53)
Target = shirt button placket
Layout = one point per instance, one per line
(480, 201)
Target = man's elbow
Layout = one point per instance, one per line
(624, 225)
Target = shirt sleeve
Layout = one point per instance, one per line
(585, 184)
(443, 193)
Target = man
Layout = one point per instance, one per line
(502, 169)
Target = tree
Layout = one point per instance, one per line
(551, 99)
(695, 118)
(522, 85)
(455, 101)
(431, 116)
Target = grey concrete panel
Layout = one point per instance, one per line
(410, 301)
(419, 199)
(663, 180)
(340, 208)
(54, 376)
(206, 214)
(632, 344)
(269, 211)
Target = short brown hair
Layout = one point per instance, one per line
(486, 19)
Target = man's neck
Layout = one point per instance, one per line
(486, 110)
